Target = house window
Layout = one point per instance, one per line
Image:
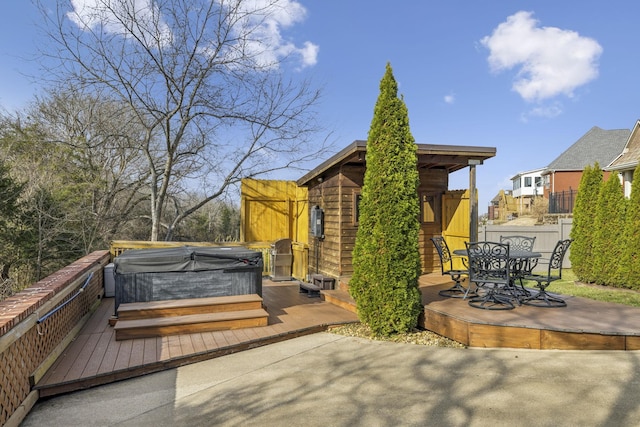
(516, 183)
(428, 208)
(527, 181)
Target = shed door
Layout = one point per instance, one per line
(455, 219)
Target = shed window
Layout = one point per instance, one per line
(356, 207)
(428, 211)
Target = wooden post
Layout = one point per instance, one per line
(473, 201)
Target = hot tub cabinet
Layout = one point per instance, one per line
(143, 275)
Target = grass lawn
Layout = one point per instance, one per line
(569, 286)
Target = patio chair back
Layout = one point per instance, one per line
(557, 258)
(446, 261)
(519, 243)
(488, 262)
(543, 298)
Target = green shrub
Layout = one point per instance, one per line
(386, 257)
(629, 263)
(608, 232)
(582, 232)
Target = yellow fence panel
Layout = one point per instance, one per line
(272, 210)
(455, 221)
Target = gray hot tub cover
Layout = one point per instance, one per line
(186, 258)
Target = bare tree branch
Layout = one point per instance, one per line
(205, 81)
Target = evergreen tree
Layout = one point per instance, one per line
(582, 231)
(386, 257)
(629, 263)
(609, 225)
(12, 244)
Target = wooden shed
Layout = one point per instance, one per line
(334, 192)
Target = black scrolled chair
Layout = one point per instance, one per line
(554, 272)
(519, 243)
(446, 264)
(526, 266)
(489, 269)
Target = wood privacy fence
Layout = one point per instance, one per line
(272, 210)
(546, 235)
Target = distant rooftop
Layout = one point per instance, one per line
(597, 145)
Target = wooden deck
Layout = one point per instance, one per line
(583, 325)
(96, 358)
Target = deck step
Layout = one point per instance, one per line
(340, 298)
(181, 307)
(190, 323)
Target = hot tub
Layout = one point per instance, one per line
(143, 275)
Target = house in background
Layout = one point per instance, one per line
(627, 161)
(526, 187)
(598, 145)
(502, 207)
(561, 178)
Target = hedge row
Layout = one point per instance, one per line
(606, 231)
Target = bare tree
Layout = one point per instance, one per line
(103, 174)
(207, 82)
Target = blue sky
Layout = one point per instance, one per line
(528, 77)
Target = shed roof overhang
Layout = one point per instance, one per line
(448, 157)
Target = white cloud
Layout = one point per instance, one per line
(544, 111)
(309, 54)
(266, 19)
(550, 61)
(450, 98)
(262, 19)
(115, 17)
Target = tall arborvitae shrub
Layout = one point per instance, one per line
(629, 263)
(608, 232)
(582, 231)
(386, 259)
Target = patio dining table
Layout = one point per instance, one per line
(517, 257)
(520, 263)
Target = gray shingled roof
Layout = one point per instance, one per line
(631, 156)
(597, 145)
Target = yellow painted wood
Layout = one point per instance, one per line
(272, 210)
(455, 221)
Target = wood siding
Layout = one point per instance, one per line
(336, 195)
(433, 183)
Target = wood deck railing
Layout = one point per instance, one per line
(37, 324)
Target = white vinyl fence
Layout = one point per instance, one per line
(546, 236)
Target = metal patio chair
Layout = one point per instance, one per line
(519, 243)
(542, 298)
(526, 266)
(489, 269)
(446, 264)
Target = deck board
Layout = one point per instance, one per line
(93, 365)
(110, 355)
(96, 358)
(66, 361)
(583, 324)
